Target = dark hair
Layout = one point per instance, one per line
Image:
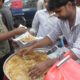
(2, 1)
(52, 4)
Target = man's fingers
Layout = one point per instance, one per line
(34, 73)
(22, 52)
(37, 74)
(31, 69)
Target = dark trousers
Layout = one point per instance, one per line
(2, 60)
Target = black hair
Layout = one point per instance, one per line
(3, 1)
(53, 4)
(44, 0)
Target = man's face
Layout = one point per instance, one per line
(64, 12)
(46, 3)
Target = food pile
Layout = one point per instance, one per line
(17, 67)
(28, 38)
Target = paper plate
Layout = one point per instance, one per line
(23, 40)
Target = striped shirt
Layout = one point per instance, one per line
(72, 35)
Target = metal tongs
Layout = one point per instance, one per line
(63, 61)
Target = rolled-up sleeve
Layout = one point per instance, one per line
(55, 33)
(35, 23)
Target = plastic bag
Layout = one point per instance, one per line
(67, 69)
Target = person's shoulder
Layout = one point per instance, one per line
(53, 17)
(78, 9)
(42, 11)
(5, 9)
(41, 1)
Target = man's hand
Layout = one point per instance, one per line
(15, 45)
(41, 68)
(38, 70)
(20, 30)
(25, 51)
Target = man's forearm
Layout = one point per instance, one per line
(73, 56)
(51, 62)
(7, 35)
(42, 43)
